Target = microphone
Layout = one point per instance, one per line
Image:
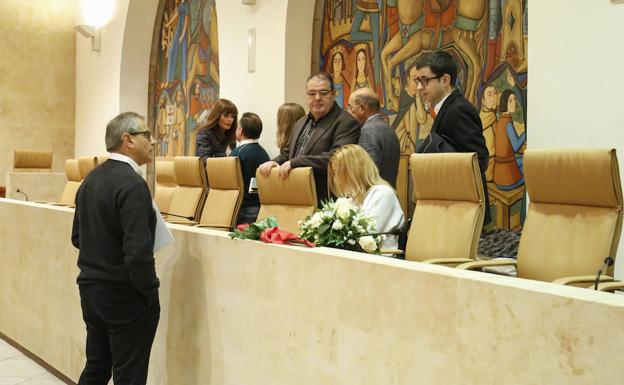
(23, 193)
(607, 262)
(178, 216)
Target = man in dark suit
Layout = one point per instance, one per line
(251, 155)
(315, 136)
(114, 227)
(377, 138)
(456, 120)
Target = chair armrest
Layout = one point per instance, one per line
(610, 286)
(476, 265)
(180, 222)
(582, 279)
(448, 261)
(392, 251)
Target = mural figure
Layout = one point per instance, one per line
(337, 69)
(431, 25)
(413, 122)
(370, 9)
(176, 58)
(186, 80)
(489, 101)
(507, 165)
(363, 69)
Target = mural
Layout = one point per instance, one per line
(375, 44)
(186, 83)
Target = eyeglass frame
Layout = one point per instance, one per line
(424, 81)
(147, 134)
(322, 93)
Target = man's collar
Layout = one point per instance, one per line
(441, 102)
(122, 158)
(373, 117)
(247, 141)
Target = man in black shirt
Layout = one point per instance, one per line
(317, 135)
(114, 226)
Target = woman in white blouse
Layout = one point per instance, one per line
(353, 173)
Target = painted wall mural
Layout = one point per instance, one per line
(186, 83)
(375, 44)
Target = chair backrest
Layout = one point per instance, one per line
(32, 160)
(225, 196)
(166, 183)
(189, 197)
(74, 179)
(86, 164)
(574, 219)
(289, 200)
(448, 216)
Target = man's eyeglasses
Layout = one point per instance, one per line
(146, 134)
(424, 81)
(321, 93)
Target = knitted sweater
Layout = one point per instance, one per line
(114, 225)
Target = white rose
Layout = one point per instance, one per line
(344, 202)
(368, 244)
(316, 220)
(337, 225)
(343, 213)
(351, 241)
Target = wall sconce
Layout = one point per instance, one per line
(251, 50)
(94, 33)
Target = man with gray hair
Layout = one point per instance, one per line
(114, 227)
(377, 137)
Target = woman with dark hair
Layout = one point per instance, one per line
(287, 116)
(507, 173)
(219, 132)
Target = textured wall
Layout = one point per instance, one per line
(37, 79)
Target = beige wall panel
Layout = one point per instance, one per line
(37, 79)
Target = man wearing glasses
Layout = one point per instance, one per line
(315, 136)
(457, 126)
(114, 225)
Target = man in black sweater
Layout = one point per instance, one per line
(251, 155)
(114, 226)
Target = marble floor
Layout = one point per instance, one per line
(16, 368)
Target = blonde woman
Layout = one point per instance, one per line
(287, 115)
(352, 173)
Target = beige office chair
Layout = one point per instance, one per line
(166, 183)
(574, 219)
(86, 164)
(32, 161)
(290, 200)
(74, 180)
(449, 208)
(225, 195)
(188, 199)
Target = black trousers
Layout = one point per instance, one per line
(120, 331)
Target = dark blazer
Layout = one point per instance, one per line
(459, 121)
(332, 131)
(382, 144)
(114, 225)
(208, 145)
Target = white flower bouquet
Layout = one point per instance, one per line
(343, 225)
